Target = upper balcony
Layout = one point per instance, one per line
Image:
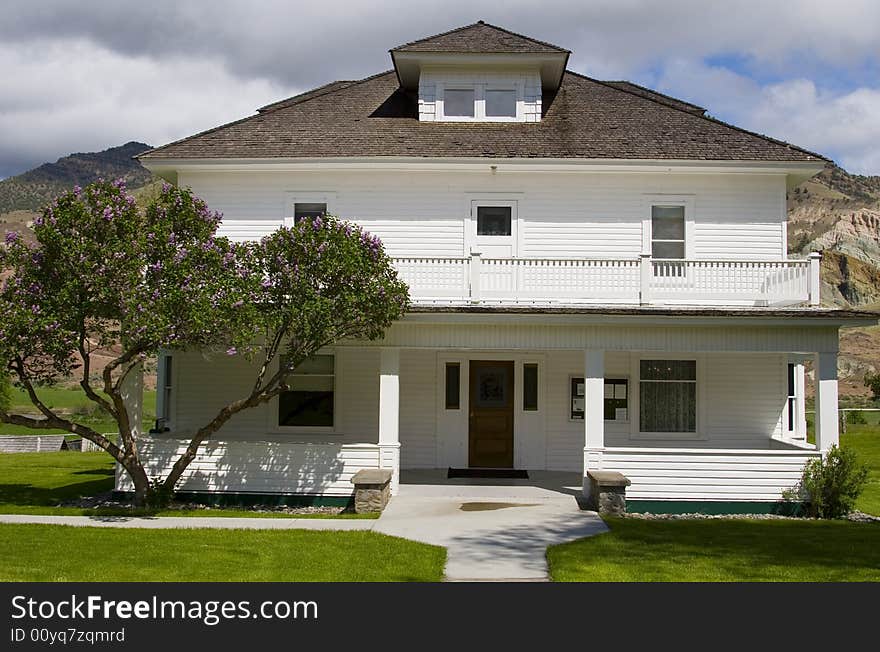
(643, 281)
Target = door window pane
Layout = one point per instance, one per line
(458, 103)
(494, 220)
(492, 387)
(501, 104)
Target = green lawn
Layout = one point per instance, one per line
(865, 440)
(34, 483)
(72, 402)
(58, 553)
(727, 550)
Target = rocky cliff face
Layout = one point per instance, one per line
(838, 214)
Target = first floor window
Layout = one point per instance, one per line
(310, 400)
(668, 396)
(615, 403)
(792, 398)
(165, 382)
(308, 210)
(453, 385)
(530, 387)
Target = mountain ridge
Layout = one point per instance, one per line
(31, 190)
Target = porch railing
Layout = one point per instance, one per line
(643, 281)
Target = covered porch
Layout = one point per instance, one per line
(591, 408)
(690, 405)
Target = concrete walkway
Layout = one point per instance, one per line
(195, 522)
(491, 532)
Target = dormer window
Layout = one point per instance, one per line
(500, 103)
(480, 98)
(459, 103)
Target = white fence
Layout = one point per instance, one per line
(635, 281)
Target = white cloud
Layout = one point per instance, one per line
(844, 125)
(85, 76)
(71, 95)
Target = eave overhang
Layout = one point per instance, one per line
(408, 65)
(795, 171)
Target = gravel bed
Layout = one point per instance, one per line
(856, 516)
(106, 500)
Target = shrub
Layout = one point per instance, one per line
(856, 418)
(832, 483)
(872, 382)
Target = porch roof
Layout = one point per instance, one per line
(845, 317)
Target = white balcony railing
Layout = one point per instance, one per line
(642, 281)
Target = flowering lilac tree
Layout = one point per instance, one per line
(105, 278)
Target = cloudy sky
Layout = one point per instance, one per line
(83, 76)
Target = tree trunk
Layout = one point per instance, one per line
(139, 479)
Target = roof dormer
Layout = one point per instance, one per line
(479, 73)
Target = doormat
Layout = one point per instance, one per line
(487, 473)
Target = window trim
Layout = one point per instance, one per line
(629, 395)
(335, 429)
(306, 197)
(479, 88)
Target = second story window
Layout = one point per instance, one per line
(500, 103)
(308, 210)
(480, 102)
(459, 103)
(667, 232)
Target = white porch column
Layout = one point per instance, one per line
(827, 433)
(594, 412)
(389, 413)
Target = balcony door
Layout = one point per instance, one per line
(494, 226)
(490, 423)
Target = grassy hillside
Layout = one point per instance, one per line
(31, 190)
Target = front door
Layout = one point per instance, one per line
(490, 426)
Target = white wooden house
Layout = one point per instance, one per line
(599, 280)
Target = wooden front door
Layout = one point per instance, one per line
(490, 426)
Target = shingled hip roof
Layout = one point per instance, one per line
(479, 37)
(584, 119)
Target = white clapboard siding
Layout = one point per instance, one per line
(574, 215)
(271, 467)
(418, 392)
(715, 474)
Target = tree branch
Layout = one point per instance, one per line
(86, 375)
